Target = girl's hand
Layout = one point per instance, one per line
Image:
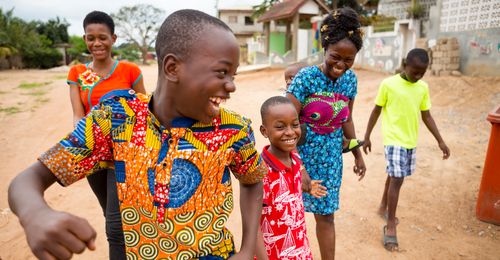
(359, 168)
(317, 190)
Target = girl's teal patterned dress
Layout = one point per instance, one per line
(322, 153)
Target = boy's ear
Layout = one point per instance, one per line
(171, 67)
(263, 131)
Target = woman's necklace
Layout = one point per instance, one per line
(109, 72)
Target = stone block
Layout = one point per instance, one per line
(445, 73)
(456, 73)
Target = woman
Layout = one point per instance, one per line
(324, 97)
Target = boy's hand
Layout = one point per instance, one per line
(359, 167)
(58, 235)
(317, 190)
(445, 149)
(367, 146)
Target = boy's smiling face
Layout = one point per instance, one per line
(281, 126)
(205, 78)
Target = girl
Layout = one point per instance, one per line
(88, 83)
(334, 84)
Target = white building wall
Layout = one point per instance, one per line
(468, 15)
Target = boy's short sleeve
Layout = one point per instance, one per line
(84, 151)
(426, 100)
(247, 165)
(381, 98)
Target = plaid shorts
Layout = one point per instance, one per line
(400, 161)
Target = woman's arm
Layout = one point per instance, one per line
(76, 104)
(349, 133)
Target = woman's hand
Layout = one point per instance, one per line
(359, 168)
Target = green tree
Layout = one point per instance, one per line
(139, 25)
(55, 29)
(21, 38)
(78, 47)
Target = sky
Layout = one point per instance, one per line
(74, 11)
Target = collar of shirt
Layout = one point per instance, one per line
(276, 164)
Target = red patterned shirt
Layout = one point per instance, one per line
(283, 221)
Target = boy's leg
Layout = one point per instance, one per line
(114, 230)
(392, 204)
(382, 210)
(325, 232)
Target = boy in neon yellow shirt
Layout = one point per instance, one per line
(401, 98)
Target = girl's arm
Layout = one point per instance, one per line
(349, 133)
(76, 104)
(139, 86)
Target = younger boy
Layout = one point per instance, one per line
(401, 98)
(172, 153)
(283, 224)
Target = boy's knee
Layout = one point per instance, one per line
(397, 181)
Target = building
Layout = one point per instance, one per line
(399, 8)
(240, 20)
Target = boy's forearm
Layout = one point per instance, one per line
(250, 207)
(26, 191)
(372, 121)
(431, 125)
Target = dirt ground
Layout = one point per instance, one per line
(437, 204)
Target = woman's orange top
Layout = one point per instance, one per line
(124, 75)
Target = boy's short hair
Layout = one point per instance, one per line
(100, 18)
(272, 101)
(181, 30)
(419, 54)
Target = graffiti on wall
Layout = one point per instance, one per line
(479, 47)
(381, 49)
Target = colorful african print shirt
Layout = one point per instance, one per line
(283, 222)
(174, 185)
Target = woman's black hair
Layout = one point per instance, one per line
(100, 18)
(342, 23)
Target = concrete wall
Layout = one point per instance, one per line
(479, 51)
(385, 51)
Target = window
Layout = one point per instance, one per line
(248, 20)
(233, 19)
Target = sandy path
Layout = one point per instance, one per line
(437, 205)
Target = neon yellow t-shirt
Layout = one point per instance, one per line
(402, 102)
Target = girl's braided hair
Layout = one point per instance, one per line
(341, 24)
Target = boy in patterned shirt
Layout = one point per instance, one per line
(172, 153)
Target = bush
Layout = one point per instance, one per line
(42, 58)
